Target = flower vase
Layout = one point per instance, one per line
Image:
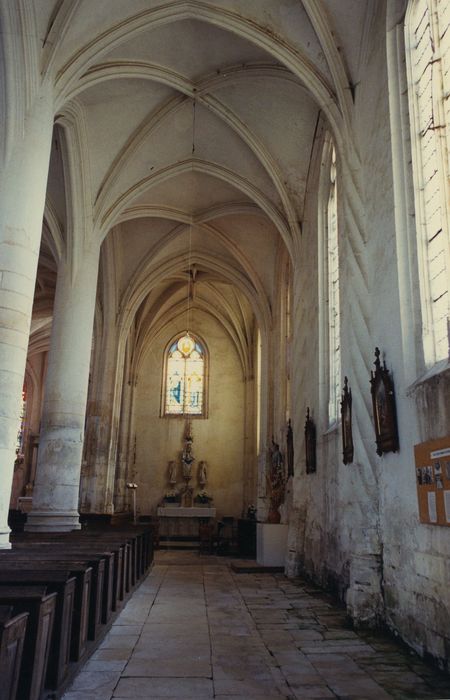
(274, 516)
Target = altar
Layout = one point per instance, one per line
(181, 512)
(176, 521)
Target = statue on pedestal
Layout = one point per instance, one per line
(276, 483)
(187, 460)
(172, 471)
(202, 473)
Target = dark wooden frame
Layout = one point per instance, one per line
(346, 419)
(384, 410)
(310, 444)
(290, 449)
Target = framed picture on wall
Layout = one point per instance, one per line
(310, 444)
(346, 417)
(384, 411)
(290, 449)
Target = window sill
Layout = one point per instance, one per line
(440, 369)
(183, 416)
(332, 428)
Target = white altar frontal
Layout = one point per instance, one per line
(176, 521)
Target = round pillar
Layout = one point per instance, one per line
(23, 181)
(56, 491)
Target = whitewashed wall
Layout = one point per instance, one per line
(361, 521)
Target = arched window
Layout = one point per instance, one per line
(334, 309)
(185, 377)
(329, 304)
(428, 58)
(20, 440)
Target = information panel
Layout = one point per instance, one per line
(433, 481)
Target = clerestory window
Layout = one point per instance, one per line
(334, 310)
(330, 314)
(428, 58)
(184, 378)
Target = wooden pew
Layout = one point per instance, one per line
(63, 585)
(128, 573)
(105, 564)
(49, 552)
(41, 608)
(139, 538)
(12, 637)
(114, 569)
(83, 576)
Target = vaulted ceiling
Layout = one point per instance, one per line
(190, 126)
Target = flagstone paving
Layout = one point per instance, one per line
(194, 629)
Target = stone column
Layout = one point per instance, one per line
(56, 492)
(23, 181)
(102, 420)
(250, 457)
(123, 452)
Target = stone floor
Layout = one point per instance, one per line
(195, 629)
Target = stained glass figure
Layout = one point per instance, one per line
(185, 377)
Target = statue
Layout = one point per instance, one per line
(187, 460)
(277, 465)
(290, 450)
(172, 469)
(275, 483)
(202, 473)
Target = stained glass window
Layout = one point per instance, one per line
(185, 377)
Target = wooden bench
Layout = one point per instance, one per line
(102, 567)
(63, 585)
(83, 575)
(106, 565)
(128, 578)
(140, 540)
(113, 569)
(12, 637)
(36, 649)
(46, 552)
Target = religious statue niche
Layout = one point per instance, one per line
(310, 444)
(346, 417)
(276, 483)
(384, 411)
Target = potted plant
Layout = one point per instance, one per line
(172, 498)
(202, 499)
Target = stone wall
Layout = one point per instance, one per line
(218, 439)
(355, 528)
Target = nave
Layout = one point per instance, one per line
(225, 294)
(196, 629)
